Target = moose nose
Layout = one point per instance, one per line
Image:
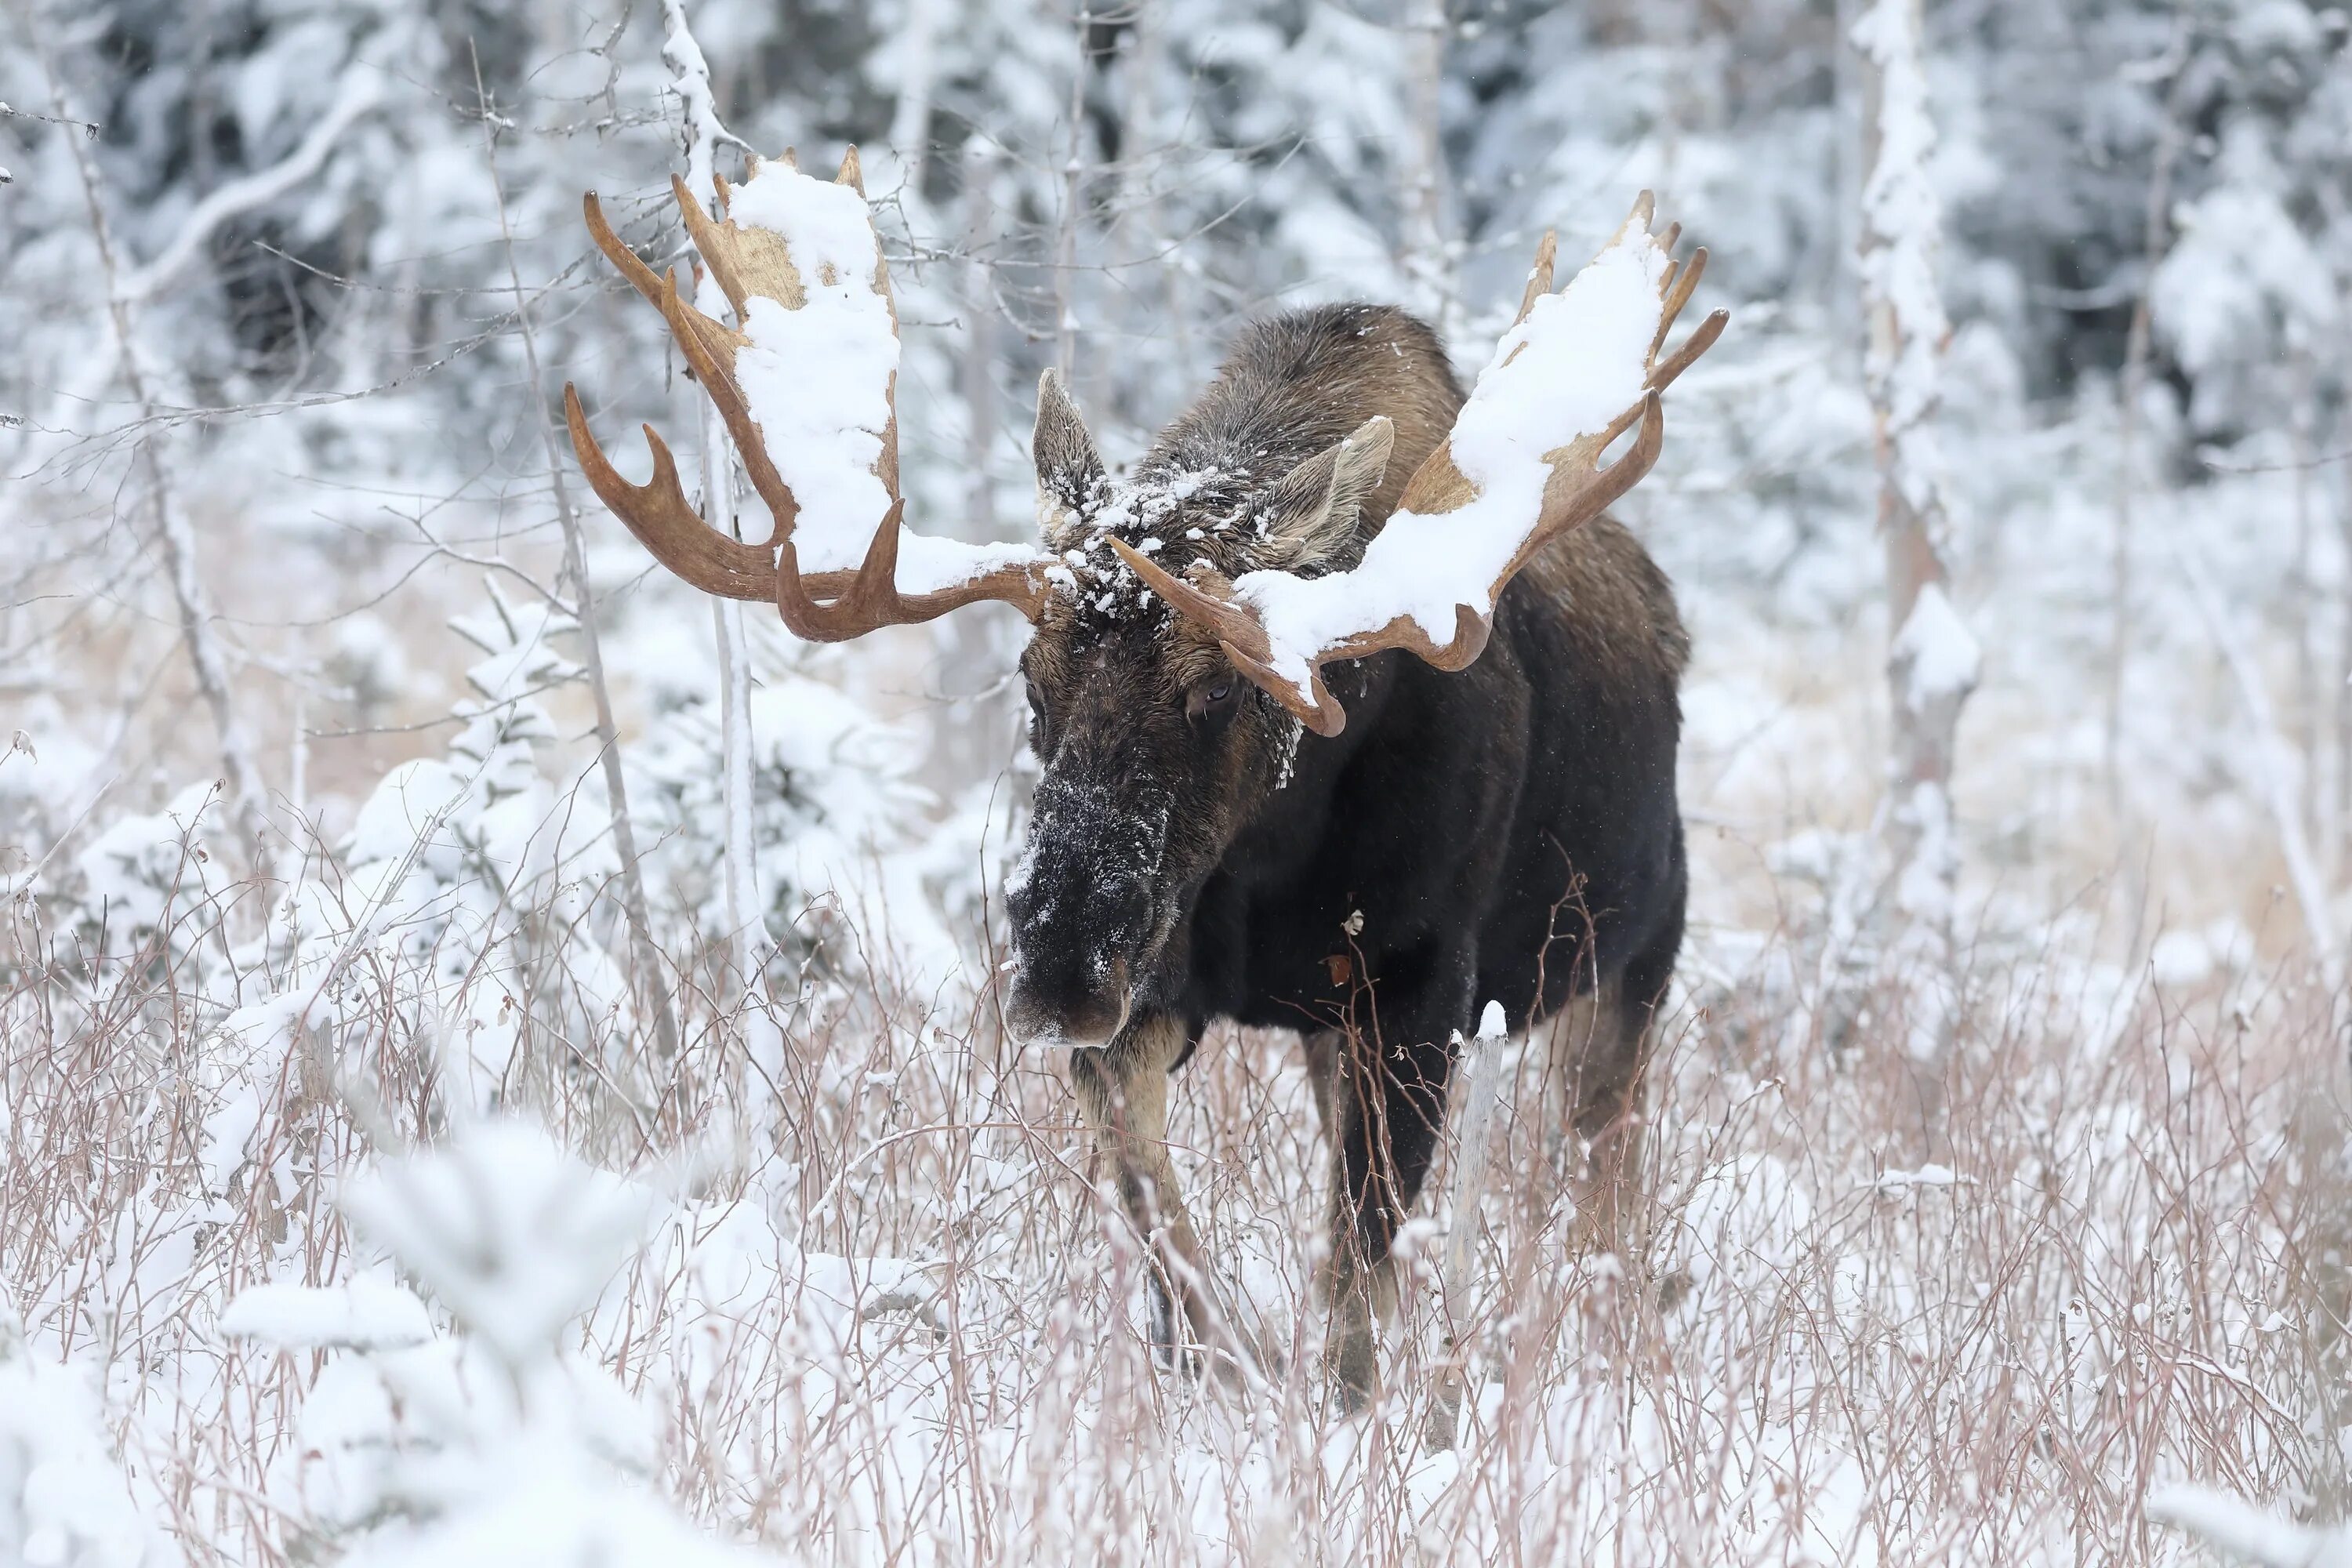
(1073, 983)
(1122, 908)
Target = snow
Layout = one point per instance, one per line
(818, 381)
(1935, 649)
(1576, 362)
(511, 1231)
(2246, 1532)
(1930, 1175)
(63, 1500)
(365, 1314)
(1834, 1345)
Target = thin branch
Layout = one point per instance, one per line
(608, 745)
(172, 534)
(2273, 779)
(740, 881)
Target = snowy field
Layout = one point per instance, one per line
(379, 1186)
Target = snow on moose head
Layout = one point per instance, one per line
(1328, 498)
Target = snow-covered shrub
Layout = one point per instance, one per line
(836, 810)
(64, 1502)
(143, 869)
(496, 1445)
(467, 904)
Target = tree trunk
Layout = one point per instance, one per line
(1421, 174)
(691, 82)
(1932, 660)
(910, 120)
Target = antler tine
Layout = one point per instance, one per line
(1702, 339)
(715, 253)
(870, 598)
(719, 384)
(1539, 275)
(618, 254)
(1682, 282)
(657, 514)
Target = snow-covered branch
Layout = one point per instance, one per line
(243, 194)
(2237, 1528)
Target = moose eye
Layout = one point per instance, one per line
(1211, 705)
(1040, 725)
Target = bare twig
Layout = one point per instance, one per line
(2275, 777)
(645, 956)
(171, 531)
(1932, 659)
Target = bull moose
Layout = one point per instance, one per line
(1357, 831)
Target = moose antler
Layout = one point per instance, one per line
(806, 384)
(1520, 469)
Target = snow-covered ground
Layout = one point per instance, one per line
(879, 1313)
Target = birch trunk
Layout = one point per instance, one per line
(910, 120)
(173, 539)
(1423, 195)
(691, 82)
(1932, 662)
(644, 955)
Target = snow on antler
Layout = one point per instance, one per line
(805, 382)
(819, 377)
(1521, 468)
(1578, 361)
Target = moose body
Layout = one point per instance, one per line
(1212, 837)
(1508, 833)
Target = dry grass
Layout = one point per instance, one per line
(907, 1328)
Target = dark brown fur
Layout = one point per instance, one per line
(1508, 833)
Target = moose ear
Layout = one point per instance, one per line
(1070, 479)
(1313, 510)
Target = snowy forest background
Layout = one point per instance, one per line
(374, 1192)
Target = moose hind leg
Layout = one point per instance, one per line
(1603, 1041)
(1123, 1090)
(1389, 1113)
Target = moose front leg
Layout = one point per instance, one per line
(1387, 1100)
(1123, 1090)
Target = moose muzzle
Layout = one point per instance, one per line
(1081, 916)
